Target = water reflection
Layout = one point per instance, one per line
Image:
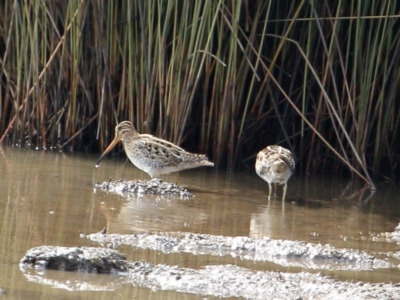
(137, 213)
(48, 199)
(326, 212)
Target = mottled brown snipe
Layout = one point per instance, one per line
(153, 155)
(275, 164)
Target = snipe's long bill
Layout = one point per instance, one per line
(153, 155)
(275, 164)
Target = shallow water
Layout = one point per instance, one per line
(49, 199)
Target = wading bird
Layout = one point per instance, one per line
(275, 164)
(153, 155)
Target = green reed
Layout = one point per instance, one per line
(221, 77)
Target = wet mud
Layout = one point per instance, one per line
(80, 259)
(283, 252)
(150, 187)
(215, 280)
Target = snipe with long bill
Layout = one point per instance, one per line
(153, 155)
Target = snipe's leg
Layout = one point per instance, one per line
(270, 191)
(284, 192)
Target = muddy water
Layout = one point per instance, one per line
(49, 199)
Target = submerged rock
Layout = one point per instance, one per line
(81, 259)
(154, 187)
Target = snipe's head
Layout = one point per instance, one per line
(123, 131)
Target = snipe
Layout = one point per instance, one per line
(153, 155)
(275, 164)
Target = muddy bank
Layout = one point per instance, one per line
(218, 280)
(234, 281)
(283, 252)
(153, 187)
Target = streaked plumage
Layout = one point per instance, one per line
(275, 164)
(153, 155)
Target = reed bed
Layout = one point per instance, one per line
(224, 78)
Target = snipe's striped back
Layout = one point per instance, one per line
(153, 155)
(275, 164)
